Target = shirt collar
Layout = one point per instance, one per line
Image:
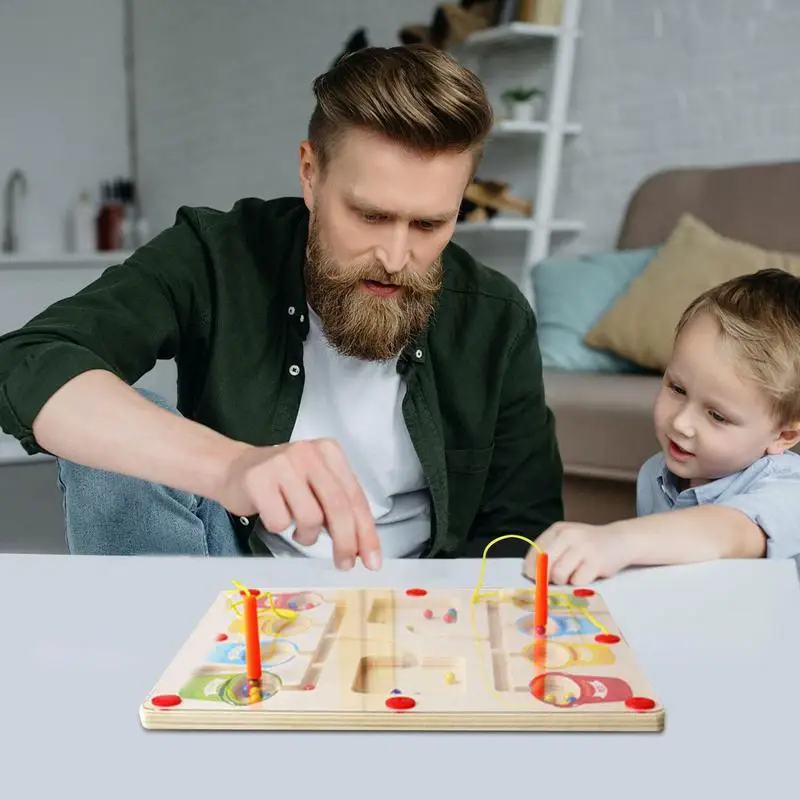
(669, 483)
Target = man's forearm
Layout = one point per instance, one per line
(99, 421)
(702, 533)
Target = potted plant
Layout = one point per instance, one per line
(523, 103)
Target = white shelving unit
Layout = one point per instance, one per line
(551, 132)
(33, 260)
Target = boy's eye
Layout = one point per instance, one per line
(677, 389)
(716, 417)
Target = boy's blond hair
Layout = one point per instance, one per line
(759, 314)
(417, 96)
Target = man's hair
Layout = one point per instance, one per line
(414, 95)
(759, 314)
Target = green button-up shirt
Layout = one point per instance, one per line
(223, 294)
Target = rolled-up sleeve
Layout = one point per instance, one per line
(133, 315)
(773, 503)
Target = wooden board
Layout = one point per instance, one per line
(351, 656)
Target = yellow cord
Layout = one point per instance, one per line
(476, 595)
(283, 613)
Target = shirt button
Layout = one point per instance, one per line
(244, 520)
(294, 370)
(302, 318)
(291, 310)
(418, 354)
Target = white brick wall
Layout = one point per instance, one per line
(62, 106)
(224, 90)
(224, 97)
(679, 83)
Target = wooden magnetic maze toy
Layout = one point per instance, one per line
(411, 659)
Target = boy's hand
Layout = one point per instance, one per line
(580, 553)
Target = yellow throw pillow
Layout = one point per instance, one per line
(640, 326)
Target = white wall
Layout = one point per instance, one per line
(224, 90)
(223, 97)
(678, 83)
(62, 105)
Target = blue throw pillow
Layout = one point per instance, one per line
(571, 294)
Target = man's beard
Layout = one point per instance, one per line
(358, 323)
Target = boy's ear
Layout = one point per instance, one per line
(786, 440)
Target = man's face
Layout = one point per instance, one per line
(379, 220)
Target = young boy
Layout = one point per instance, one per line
(724, 484)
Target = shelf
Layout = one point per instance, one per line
(11, 260)
(566, 226)
(512, 33)
(497, 224)
(518, 225)
(511, 127)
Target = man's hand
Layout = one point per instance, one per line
(580, 553)
(310, 484)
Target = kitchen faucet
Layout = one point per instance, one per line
(10, 235)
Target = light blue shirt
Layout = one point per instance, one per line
(768, 492)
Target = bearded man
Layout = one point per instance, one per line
(351, 384)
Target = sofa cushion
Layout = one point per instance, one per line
(571, 294)
(604, 422)
(641, 324)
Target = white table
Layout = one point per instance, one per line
(84, 639)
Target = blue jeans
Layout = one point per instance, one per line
(111, 514)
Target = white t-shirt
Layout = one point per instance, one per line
(359, 404)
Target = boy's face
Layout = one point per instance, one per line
(711, 421)
(380, 218)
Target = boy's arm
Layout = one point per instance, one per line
(762, 521)
(687, 535)
(581, 554)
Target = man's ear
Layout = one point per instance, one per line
(308, 172)
(787, 439)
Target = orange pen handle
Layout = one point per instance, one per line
(540, 616)
(251, 638)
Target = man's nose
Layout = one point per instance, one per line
(393, 249)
